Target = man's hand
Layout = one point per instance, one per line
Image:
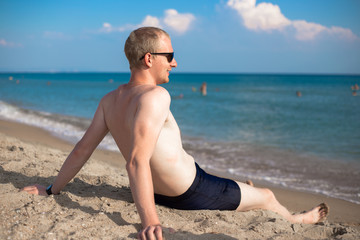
(151, 232)
(35, 189)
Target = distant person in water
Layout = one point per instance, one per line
(355, 87)
(203, 89)
(181, 96)
(298, 93)
(138, 116)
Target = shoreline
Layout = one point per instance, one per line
(293, 199)
(341, 212)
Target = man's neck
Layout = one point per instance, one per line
(141, 77)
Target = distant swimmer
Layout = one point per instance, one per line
(298, 93)
(203, 89)
(355, 87)
(181, 96)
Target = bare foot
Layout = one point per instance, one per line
(249, 182)
(315, 215)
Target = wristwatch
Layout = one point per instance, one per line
(48, 189)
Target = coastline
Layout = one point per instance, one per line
(343, 214)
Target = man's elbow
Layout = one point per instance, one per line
(80, 151)
(131, 165)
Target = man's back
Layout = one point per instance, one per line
(132, 112)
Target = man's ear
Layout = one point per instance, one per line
(148, 60)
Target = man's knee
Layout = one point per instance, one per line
(269, 197)
(268, 193)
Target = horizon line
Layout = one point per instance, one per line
(121, 72)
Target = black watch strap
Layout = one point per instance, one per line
(48, 190)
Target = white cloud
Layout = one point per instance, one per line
(5, 43)
(151, 22)
(107, 27)
(177, 21)
(264, 16)
(342, 32)
(172, 20)
(268, 17)
(307, 31)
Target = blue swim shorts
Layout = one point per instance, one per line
(206, 192)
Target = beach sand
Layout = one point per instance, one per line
(98, 204)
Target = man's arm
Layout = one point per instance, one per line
(79, 155)
(150, 117)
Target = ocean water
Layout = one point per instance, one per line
(248, 126)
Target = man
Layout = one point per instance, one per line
(138, 116)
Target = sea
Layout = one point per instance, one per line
(299, 132)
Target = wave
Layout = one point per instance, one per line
(68, 128)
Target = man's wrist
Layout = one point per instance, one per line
(49, 190)
(151, 224)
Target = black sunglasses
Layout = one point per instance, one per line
(169, 56)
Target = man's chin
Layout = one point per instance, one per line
(164, 81)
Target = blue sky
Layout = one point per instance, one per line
(226, 36)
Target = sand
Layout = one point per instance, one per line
(97, 204)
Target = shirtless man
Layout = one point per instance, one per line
(138, 116)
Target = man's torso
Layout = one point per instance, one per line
(173, 170)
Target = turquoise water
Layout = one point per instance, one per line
(247, 126)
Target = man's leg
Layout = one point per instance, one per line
(262, 198)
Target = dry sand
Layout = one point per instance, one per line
(97, 204)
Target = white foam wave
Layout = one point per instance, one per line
(291, 182)
(47, 121)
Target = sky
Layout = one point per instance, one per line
(208, 36)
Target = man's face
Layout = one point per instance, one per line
(161, 66)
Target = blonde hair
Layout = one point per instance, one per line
(141, 41)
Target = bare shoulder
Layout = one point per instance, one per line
(158, 91)
(156, 95)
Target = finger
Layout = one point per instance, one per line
(150, 233)
(30, 190)
(141, 235)
(27, 188)
(158, 233)
(35, 192)
(34, 189)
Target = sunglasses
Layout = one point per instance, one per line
(169, 56)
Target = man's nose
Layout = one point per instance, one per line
(173, 63)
